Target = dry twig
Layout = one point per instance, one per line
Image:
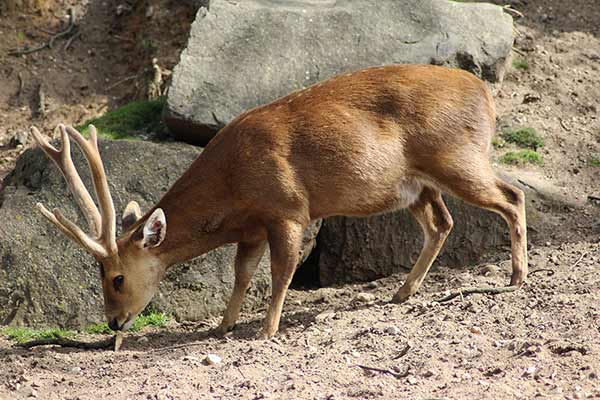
(48, 45)
(64, 342)
(386, 371)
(477, 290)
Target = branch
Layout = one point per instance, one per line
(113, 342)
(467, 291)
(48, 45)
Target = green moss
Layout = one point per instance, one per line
(498, 142)
(153, 319)
(595, 161)
(525, 137)
(21, 334)
(522, 157)
(101, 328)
(521, 63)
(135, 120)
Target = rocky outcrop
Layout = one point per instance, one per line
(246, 53)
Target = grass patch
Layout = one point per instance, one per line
(595, 161)
(21, 335)
(151, 319)
(157, 320)
(521, 63)
(527, 138)
(134, 120)
(522, 157)
(498, 142)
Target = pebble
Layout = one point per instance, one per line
(476, 330)
(489, 270)
(365, 297)
(412, 380)
(392, 330)
(142, 340)
(324, 316)
(529, 371)
(212, 359)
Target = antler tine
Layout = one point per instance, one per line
(62, 159)
(105, 202)
(73, 231)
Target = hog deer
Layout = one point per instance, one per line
(362, 143)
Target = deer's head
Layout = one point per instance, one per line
(129, 265)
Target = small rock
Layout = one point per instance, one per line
(429, 373)
(529, 371)
(324, 316)
(20, 139)
(392, 330)
(365, 297)
(142, 340)
(489, 270)
(372, 285)
(531, 98)
(411, 380)
(212, 359)
(76, 370)
(476, 330)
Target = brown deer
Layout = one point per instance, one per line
(367, 142)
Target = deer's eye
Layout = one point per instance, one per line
(118, 282)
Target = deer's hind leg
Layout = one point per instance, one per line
(435, 220)
(479, 186)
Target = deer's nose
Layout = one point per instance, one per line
(114, 324)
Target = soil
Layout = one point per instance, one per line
(346, 342)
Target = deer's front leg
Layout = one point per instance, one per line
(284, 240)
(247, 259)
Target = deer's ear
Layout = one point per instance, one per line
(155, 229)
(131, 214)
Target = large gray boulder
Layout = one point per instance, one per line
(242, 54)
(45, 279)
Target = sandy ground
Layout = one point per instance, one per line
(540, 342)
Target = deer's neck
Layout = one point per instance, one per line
(199, 215)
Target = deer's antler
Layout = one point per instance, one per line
(102, 223)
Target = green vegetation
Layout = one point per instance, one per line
(132, 121)
(522, 157)
(595, 161)
(521, 63)
(20, 334)
(527, 138)
(498, 142)
(151, 319)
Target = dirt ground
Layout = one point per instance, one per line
(347, 342)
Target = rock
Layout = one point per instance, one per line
(212, 359)
(392, 330)
(324, 316)
(19, 139)
(143, 340)
(246, 53)
(364, 249)
(489, 270)
(47, 280)
(476, 330)
(365, 297)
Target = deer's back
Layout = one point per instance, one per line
(358, 143)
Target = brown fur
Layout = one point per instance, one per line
(362, 143)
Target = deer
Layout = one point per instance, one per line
(367, 142)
